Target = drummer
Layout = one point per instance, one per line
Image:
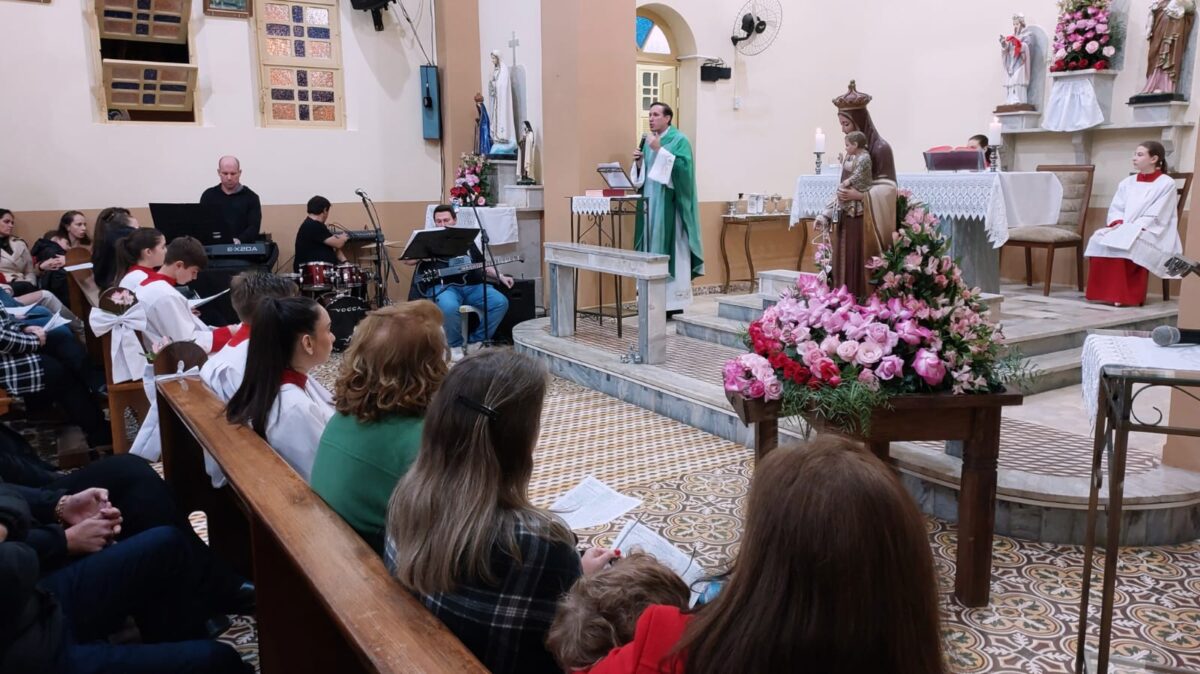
(314, 240)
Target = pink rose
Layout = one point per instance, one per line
(1101, 28)
(868, 379)
(1092, 47)
(825, 369)
(774, 390)
(830, 344)
(756, 389)
(869, 353)
(931, 368)
(847, 350)
(889, 367)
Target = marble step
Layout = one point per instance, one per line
(709, 328)
(743, 308)
(1057, 369)
(1072, 336)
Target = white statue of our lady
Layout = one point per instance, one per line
(504, 132)
(1015, 50)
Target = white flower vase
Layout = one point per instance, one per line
(1079, 99)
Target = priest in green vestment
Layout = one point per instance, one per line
(670, 222)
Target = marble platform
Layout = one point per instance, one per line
(1043, 477)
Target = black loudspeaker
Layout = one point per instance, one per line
(214, 279)
(713, 72)
(521, 308)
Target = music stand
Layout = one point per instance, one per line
(614, 176)
(443, 242)
(200, 221)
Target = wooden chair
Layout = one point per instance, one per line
(1067, 232)
(125, 394)
(189, 353)
(84, 294)
(1183, 191)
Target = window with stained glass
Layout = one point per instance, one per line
(300, 54)
(144, 20)
(149, 85)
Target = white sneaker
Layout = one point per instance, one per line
(456, 354)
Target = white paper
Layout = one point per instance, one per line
(201, 301)
(78, 267)
(637, 536)
(591, 503)
(19, 311)
(56, 321)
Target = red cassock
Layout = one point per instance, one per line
(1116, 281)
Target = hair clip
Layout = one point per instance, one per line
(479, 407)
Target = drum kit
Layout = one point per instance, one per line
(341, 289)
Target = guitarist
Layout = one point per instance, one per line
(466, 289)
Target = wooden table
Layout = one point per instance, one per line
(749, 222)
(972, 419)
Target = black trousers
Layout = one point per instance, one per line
(69, 379)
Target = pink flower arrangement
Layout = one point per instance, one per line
(1087, 36)
(923, 331)
(470, 181)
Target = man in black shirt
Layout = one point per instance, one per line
(314, 241)
(238, 205)
(468, 288)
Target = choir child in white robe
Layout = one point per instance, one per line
(139, 255)
(224, 371)
(169, 317)
(277, 398)
(1142, 232)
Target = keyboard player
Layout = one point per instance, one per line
(314, 241)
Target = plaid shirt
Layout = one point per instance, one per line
(20, 365)
(505, 624)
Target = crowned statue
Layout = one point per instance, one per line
(865, 219)
(1016, 52)
(1169, 26)
(504, 132)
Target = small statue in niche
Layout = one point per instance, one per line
(1016, 50)
(525, 157)
(1170, 25)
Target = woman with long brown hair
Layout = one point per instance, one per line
(395, 363)
(462, 534)
(834, 576)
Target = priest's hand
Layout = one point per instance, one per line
(653, 142)
(637, 156)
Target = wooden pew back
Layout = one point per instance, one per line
(325, 601)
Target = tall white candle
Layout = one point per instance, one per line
(819, 141)
(995, 129)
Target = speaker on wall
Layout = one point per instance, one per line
(431, 103)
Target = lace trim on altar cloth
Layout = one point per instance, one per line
(591, 205)
(1142, 352)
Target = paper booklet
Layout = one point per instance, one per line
(637, 536)
(78, 267)
(19, 311)
(56, 321)
(591, 503)
(201, 301)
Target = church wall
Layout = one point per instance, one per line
(59, 155)
(934, 72)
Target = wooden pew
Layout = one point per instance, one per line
(325, 601)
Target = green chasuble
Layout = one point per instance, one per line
(665, 203)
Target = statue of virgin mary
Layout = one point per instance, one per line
(859, 238)
(504, 132)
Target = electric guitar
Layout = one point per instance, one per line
(428, 278)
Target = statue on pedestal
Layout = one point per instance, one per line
(1016, 50)
(483, 128)
(527, 149)
(504, 133)
(1170, 25)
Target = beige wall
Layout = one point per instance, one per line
(458, 63)
(58, 154)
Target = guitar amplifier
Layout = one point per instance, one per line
(521, 307)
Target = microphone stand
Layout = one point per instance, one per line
(484, 240)
(383, 264)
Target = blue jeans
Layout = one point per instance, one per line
(149, 576)
(450, 298)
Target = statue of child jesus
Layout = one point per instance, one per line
(856, 166)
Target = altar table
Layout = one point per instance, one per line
(975, 209)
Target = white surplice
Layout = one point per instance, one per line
(223, 373)
(168, 314)
(296, 422)
(1149, 233)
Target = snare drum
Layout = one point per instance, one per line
(348, 276)
(317, 276)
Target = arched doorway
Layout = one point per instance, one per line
(657, 68)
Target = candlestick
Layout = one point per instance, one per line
(819, 141)
(817, 170)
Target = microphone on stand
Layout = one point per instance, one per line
(1166, 335)
(361, 193)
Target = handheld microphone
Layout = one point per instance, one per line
(642, 145)
(1166, 335)
(361, 192)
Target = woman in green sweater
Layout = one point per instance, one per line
(395, 363)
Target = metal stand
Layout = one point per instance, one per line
(994, 157)
(606, 228)
(817, 168)
(383, 263)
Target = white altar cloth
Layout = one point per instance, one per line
(1001, 200)
(1141, 352)
(499, 221)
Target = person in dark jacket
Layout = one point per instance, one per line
(60, 621)
(104, 254)
(49, 251)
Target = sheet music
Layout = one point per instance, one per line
(56, 321)
(638, 536)
(591, 503)
(78, 267)
(19, 312)
(201, 301)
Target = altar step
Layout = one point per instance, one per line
(1042, 483)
